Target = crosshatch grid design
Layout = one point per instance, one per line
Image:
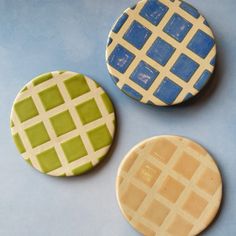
(159, 196)
(167, 88)
(91, 155)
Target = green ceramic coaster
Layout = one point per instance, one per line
(62, 123)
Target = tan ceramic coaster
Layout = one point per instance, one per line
(169, 185)
(63, 123)
(161, 52)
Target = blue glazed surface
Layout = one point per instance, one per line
(160, 51)
(153, 11)
(109, 41)
(188, 96)
(177, 35)
(120, 23)
(144, 75)
(213, 61)
(137, 35)
(191, 10)
(131, 92)
(167, 91)
(184, 67)
(201, 44)
(120, 58)
(177, 27)
(202, 80)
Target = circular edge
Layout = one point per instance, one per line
(113, 137)
(165, 136)
(150, 103)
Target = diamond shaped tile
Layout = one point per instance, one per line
(201, 44)
(133, 197)
(144, 75)
(49, 160)
(156, 212)
(177, 27)
(195, 205)
(153, 11)
(163, 150)
(120, 58)
(51, 97)
(161, 51)
(180, 226)
(88, 111)
(171, 189)
(209, 181)
(76, 86)
(148, 173)
(186, 165)
(37, 134)
(25, 109)
(74, 149)
(167, 91)
(137, 35)
(62, 123)
(184, 67)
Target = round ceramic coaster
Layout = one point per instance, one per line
(161, 52)
(169, 185)
(63, 123)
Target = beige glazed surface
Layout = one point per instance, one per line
(169, 185)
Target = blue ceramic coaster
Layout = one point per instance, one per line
(161, 52)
